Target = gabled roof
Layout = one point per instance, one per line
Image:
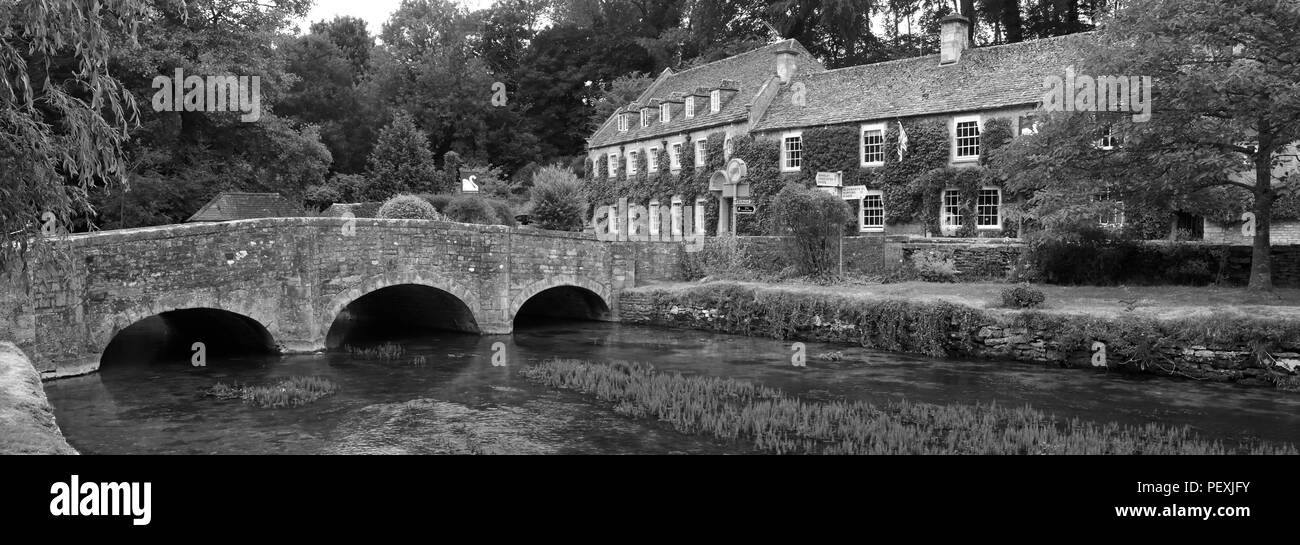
(985, 78)
(749, 70)
(230, 205)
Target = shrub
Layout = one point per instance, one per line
(557, 200)
(291, 392)
(1022, 296)
(813, 222)
(722, 257)
(439, 201)
(934, 266)
(408, 207)
(471, 209)
(505, 213)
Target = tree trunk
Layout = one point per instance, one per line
(1011, 21)
(1261, 260)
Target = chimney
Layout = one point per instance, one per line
(786, 62)
(954, 37)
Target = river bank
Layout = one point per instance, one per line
(1221, 345)
(26, 418)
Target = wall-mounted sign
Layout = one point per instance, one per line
(744, 201)
(853, 192)
(830, 179)
(744, 209)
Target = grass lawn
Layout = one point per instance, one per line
(1160, 301)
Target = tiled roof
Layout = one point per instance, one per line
(984, 78)
(241, 206)
(748, 71)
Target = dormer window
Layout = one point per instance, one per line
(622, 122)
(645, 118)
(665, 112)
(715, 101)
(690, 107)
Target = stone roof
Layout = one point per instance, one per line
(748, 71)
(230, 205)
(985, 78)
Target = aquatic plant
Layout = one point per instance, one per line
(774, 422)
(384, 352)
(290, 392)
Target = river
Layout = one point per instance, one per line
(458, 402)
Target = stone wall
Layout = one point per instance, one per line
(27, 423)
(992, 336)
(1282, 233)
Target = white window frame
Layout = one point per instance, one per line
(612, 167)
(956, 140)
(715, 101)
(665, 112)
(862, 212)
(675, 156)
(652, 160)
(978, 197)
(1107, 135)
(690, 107)
(631, 163)
(949, 222)
(862, 145)
(645, 117)
(785, 151)
(701, 153)
(622, 122)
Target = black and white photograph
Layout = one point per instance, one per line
(977, 229)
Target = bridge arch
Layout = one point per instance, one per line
(579, 295)
(421, 299)
(163, 331)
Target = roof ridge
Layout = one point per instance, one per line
(755, 50)
(981, 48)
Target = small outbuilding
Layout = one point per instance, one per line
(231, 205)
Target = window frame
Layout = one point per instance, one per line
(675, 156)
(612, 167)
(651, 160)
(631, 162)
(665, 112)
(715, 101)
(690, 107)
(701, 153)
(645, 117)
(862, 145)
(862, 212)
(979, 195)
(956, 138)
(622, 122)
(785, 151)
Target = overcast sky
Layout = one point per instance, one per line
(375, 12)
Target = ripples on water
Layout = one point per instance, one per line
(457, 402)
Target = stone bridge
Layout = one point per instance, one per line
(299, 284)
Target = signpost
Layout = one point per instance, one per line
(854, 192)
(744, 205)
(830, 179)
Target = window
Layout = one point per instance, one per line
(873, 145)
(631, 163)
(645, 118)
(690, 107)
(652, 160)
(665, 112)
(792, 152)
(613, 164)
(988, 208)
(622, 122)
(873, 212)
(701, 153)
(715, 101)
(967, 138)
(726, 148)
(950, 211)
(675, 156)
(1112, 211)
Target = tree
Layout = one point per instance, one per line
(63, 117)
(1224, 111)
(401, 161)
